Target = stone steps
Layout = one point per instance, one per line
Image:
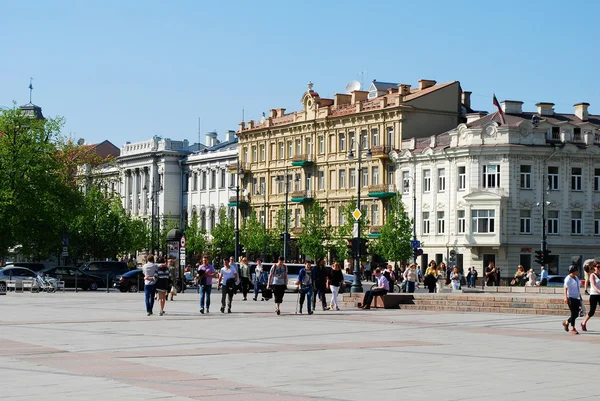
(542, 304)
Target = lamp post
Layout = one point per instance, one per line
(264, 194)
(153, 245)
(414, 191)
(357, 285)
(286, 235)
(240, 176)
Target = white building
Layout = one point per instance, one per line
(479, 188)
(209, 176)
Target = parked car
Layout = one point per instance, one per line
(105, 271)
(14, 273)
(554, 281)
(132, 281)
(36, 267)
(69, 274)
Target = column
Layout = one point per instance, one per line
(134, 197)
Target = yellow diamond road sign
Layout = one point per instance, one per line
(356, 213)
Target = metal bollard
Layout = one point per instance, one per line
(138, 286)
(76, 274)
(107, 284)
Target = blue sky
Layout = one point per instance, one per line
(127, 70)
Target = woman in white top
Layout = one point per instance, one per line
(455, 279)
(278, 280)
(531, 278)
(594, 290)
(410, 275)
(572, 298)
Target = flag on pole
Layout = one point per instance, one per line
(497, 104)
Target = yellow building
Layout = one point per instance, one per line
(311, 147)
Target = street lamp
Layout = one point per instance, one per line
(264, 194)
(153, 196)
(357, 285)
(414, 191)
(240, 176)
(286, 235)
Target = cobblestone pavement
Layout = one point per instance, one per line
(98, 346)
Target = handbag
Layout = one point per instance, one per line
(267, 293)
(582, 310)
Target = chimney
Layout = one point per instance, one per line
(211, 138)
(273, 113)
(426, 83)
(466, 99)
(404, 89)
(512, 106)
(251, 124)
(433, 141)
(545, 108)
(340, 99)
(229, 135)
(359, 96)
(588, 138)
(280, 112)
(475, 116)
(242, 126)
(581, 111)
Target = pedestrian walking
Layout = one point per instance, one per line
(163, 285)
(244, 277)
(588, 269)
(149, 270)
(174, 272)
(206, 272)
(474, 275)
(390, 275)
(278, 280)
(594, 290)
(320, 275)
(410, 275)
(543, 276)
(228, 276)
(490, 275)
(431, 277)
(335, 281)
(380, 290)
(368, 271)
(259, 279)
(305, 287)
(572, 298)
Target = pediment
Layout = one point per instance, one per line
(570, 148)
(593, 149)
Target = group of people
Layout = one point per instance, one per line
(572, 295)
(159, 281)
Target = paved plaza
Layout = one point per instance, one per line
(99, 346)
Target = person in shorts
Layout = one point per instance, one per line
(594, 290)
(163, 285)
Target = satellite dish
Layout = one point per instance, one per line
(80, 141)
(352, 86)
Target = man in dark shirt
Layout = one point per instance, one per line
(321, 272)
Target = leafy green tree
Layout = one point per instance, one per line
(196, 238)
(314, 234)
(253, 236)
(339, 243)
(275, 244)
(35, 201)
(223, 241)
(396, 233)
(168, 223)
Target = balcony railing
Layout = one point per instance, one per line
(375, 229)
(382, 188)
(234, 166)
(302, 194)
(381, 150)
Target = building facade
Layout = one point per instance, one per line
(303, 155)
(486, 189)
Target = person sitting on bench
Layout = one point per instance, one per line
(382, 288)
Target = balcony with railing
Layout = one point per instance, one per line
(381, 151)
(233, 202)
(382, 191)
(302, 161)
(374, 232)
(302, 196)
(233, 167)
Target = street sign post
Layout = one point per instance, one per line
(415, 244)
(356, 214)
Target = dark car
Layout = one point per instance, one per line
(105, 271)
(36, 267)
(71, 275)
(132, 281)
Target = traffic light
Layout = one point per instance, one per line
(363, 246)
(414, 253)
(539, 258)
(546, 257)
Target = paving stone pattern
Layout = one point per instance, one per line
(98, 346)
